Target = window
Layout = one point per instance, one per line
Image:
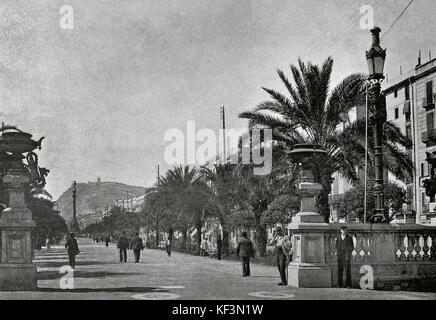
(422, 169)
(406, 93)
(430, 121)
(429, 92)
(409, 132)
(395, 93)
(396, 113)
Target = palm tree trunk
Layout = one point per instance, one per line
(198, 226)
(260, 238)
(226, 238)
(184, 239)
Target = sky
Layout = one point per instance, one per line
(104, 93)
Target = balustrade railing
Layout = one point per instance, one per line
(417, 243)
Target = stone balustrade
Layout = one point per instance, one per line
(400, 256)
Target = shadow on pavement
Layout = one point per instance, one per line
(52, 275)
(58, 264)
(96, 290)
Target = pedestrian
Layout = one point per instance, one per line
(123, 245)
(219, 247)
(245, 251)
(203, 247)
(169, 246)
(137, 246)
(344, 247)
(107, 240)
(47, 243)
(72, 249)
(283, 247)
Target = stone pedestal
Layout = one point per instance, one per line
(308, 268)
(17, 272)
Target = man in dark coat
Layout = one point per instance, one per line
(137, 246)
(72, 249)
(219, 247)
(245, 251)
(107, 240)
(123, 245)
(344, 247)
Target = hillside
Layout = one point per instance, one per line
(94, 195)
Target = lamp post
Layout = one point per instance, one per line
(376, 59)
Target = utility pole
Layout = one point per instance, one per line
(223, 118)
(157, 212)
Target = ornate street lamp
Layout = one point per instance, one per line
(376, 60)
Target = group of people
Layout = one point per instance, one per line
(136, 245)
(106, 240)
(284, 253)
(245, 251)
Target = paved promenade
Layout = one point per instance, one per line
(99, 275)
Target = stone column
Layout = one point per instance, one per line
(17, 272)
(308, 268)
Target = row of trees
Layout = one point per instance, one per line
(309, 112)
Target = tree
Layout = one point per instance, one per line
(352, 206)
(222, 179)
(257, 192)
(184, 194)
(312, 113)
(48, 222)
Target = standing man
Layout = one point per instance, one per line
(169, 246)
(72, 249)
(245, 251)
(137, 246)
(219, 247)
(344, 247)
(283, 247)
(107, 240)
(123, 245)
(47, 243)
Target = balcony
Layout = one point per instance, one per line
(428, 136)
(428, 102)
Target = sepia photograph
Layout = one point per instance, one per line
(218, 155)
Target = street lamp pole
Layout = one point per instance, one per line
(376, 58)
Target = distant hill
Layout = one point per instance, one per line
(94, 195)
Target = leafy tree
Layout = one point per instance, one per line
(352, 205)
(312, 113)
(48, 222)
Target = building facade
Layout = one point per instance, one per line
(410, 103)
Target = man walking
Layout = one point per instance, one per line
(219, 247)
(245, 251)
(137, 246)
(107, 240)
(123, 245)
(72, 249)
(283, 247)
(344, 247)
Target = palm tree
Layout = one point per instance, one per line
(183, 193)
(256, 193)
(311, 112)
(222, 181)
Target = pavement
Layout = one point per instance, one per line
(100, 276)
